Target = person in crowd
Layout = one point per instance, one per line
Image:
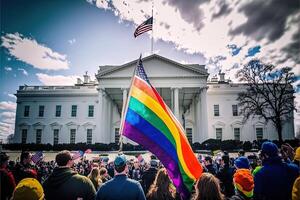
(242, 163)
(244, 185)
(296, 189)
(241, 153)
(149, 175)
(208, 188)
(7, 180)
(24, 169)
(209, 166)
(136, 171)
(28, 189)
(296, 159)
(94, 176)
(104, 175)
(162, 187)
(275, 179)
(225, 175)
(64, 183)
(120, 187)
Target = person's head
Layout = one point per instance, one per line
(103, 171)
(154, 163)
(3, 160)
(269, 150)
(94, 174)
(242, 163)
(161, 185)
(25, 157)
(225, 160)
(28, 189)
(120, 164)
(208, 188)
(208, 160)
(243, 182)
(64, 159)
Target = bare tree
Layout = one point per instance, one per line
(269, 93)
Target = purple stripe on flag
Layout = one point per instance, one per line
(134, 134)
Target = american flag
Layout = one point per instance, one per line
(38, 156)
(77, 155)
(140, 71)
(88, 151)
(144, 27)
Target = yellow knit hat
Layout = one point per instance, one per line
(28, 189)
(297, 154)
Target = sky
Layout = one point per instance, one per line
(53, 42)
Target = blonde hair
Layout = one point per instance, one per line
(94, 176)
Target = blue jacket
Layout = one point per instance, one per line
(121, 187)
(275, 179)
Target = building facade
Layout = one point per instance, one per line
(90, 111)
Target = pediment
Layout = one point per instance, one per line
(38, 124)
(24, 124)
(219, 124)
(71, 124)
(155, 66)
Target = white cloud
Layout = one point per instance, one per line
(72, 41)
(211, 40)
(8, 68)
(8, 105)
(23, 71)
(30, 51)
(7, 114)
(12, 96)
(57, 79)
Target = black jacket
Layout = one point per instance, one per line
(148, 178)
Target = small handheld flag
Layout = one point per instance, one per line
(144, 27)
(38, 156)
(77, 154)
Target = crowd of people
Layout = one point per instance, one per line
(271, 174)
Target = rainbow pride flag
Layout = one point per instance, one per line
(148, 121)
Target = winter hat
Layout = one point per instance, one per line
(270, 149)
(297, 154)
(120, 160)
(243, 182)
(28, 189)
(242, 163)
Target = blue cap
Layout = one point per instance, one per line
(242, 163)
(270, 149)
(120, 160)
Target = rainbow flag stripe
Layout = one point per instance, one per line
(148, 121)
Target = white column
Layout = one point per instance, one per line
(204, 121)
(125, 92)
(197, 113)
(109, 120)
(100, 137)
(176, 103)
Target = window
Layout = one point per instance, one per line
(236, 133)
(219, 133)
(74, 111)
(72, 136)
(89, 136)
(58, 111)
(38, 138)
(26, 111)
(24, 136)
(216, 110)
(259, 133)
(189, 135)
(41, 111)
(55, 136)
(117, 135)
(235, 110)
(91, 111)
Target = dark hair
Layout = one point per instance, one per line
(3, 158)
(120, 169)
(225, 158)
(103, 171)
(208, 158)
(24, 155)
(63, 157)
(208, 188)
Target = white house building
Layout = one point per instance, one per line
(90, 111)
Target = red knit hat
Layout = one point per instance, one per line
(243, 181)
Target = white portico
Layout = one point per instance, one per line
(183, 88)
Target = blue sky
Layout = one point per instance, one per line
(54, 42)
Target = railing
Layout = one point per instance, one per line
(47, 88)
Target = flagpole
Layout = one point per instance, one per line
(124, 109)
(152, 28)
